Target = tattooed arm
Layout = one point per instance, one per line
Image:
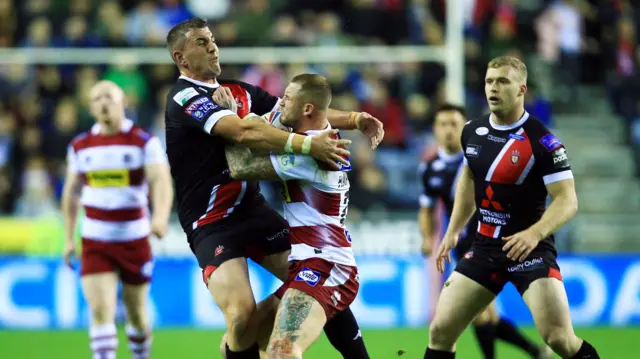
(245, 165)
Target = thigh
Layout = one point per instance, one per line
(482, 265)
(540, 264)
(268, 239)
(277, 264)
(135, 296)
(299, 322)
(549, 306)
(461, 300)
(230, 287)
(134, 261)
(96, 258)
(101, 291)
(333, 286)
(214, 245)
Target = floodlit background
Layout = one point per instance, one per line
(396, 59)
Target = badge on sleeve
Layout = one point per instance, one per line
(550, 142)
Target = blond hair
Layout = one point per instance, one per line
(512, 62)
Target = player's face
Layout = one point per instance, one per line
(107, 104)
(504, 88)
(290, 106)
(200, 54)
(447, 127)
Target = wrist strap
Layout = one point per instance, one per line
(306, 145)
(288, 148)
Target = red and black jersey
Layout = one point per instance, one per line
(196, 156)
(511, 166)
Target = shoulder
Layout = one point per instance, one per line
(141, 134)
(80, 141)
(479, 124)
(540, 135)
(180, 94)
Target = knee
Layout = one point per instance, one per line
(102, 314)
(439, 335)
(137, 318)
(238, 321)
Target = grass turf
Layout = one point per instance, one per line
(382, 344)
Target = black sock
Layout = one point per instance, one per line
(438, 354)
(586, 352)
(506, 331)
(486, 335)
(344, 334)
(252, 353)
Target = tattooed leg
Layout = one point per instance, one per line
(299, 322)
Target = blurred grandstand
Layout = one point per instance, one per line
(584, 65)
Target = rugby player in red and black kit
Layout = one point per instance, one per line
(227, 223)
(511, 163)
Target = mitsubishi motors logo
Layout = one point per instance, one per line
(488, 203)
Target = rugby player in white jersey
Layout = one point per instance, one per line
(323, 277)
(112, 169)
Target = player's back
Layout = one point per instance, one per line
(115, 191)
(511, 166)
(316, 204)
(196, 156)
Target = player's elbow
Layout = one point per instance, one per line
(572, 204)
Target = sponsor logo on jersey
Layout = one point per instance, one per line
(182, 97)
(282, 234)
(481, 131)
(560, 158)
(219, 250)
(335, 298)
(200, 108)
(516, 136)
(550, 142)
(496, 139)
(287, 161)
(108, 178)
(473, 150)
(308, 276)
(527, 265)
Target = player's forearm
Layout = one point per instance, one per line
(427, 223)
(464, 206)
(262, 136)
(244, 165)
(559, 212)
(70, 204)
(161, 196)
(342, 120)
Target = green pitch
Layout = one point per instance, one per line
(382, 344)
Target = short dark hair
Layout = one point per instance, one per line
(178, 33)
(314, 89)
(452, 107)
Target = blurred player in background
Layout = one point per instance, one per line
(511, 163)
(323, 277)
(227, 223)
(438, 178)
(115, 164)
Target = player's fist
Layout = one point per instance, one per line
(159, 227)
(224, 98)
(370, 127)
(326, 147)
(449, 242)
(69, 252)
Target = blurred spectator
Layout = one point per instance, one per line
(286, 32)
(80, 7)
(5, 192)
(254, 23)
(569, 20)
(145, 25)
(269, 76)
(226, 33)
(132, 81)
(37, 196)
(389, 111)
(7, 139)
(329, 32)
(173, 12)
(212, 10)
(625, 84)
(111, 24)
(537, 105)
(418, 108)
(76, 34)
(38, 33)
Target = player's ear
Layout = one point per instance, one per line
(307, 110)
(523, 89)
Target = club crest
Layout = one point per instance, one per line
(515, 157)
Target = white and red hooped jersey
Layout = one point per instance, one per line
(316, 203)
(115, 191)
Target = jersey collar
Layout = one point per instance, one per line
(443, 155)
(521, 121)
(199, 83)
(125, 127)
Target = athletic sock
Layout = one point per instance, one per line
(586, 352)
(104, 341)
(439, 354)
(486, 335)
(506, 331)
(344, 334)
(252, 353)
(139, 343)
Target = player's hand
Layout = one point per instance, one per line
(427, 247)
(449, 242)
(159, 227)
(69, 252)
(370, 127)
(521, 244)
(224, 98)
(330, 150)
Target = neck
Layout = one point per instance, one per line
(317, 123)
(509, 118)
(191, 75)
(112, 129)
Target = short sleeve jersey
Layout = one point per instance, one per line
(511, 166)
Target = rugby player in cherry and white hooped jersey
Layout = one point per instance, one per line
(110, 171)
(323, 277)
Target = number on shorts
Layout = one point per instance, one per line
(345, 203)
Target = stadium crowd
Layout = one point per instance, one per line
(43, 107)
